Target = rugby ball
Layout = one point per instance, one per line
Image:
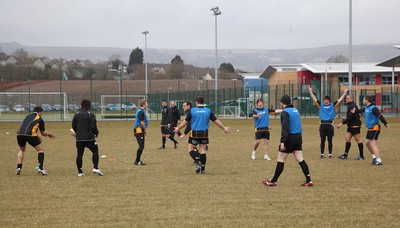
(72, 132)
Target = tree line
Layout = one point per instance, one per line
(60, 69)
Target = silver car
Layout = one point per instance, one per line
(4, 108)
(19, 108)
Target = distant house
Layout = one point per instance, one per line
(159, 70)
(207, 77)
(11, 60)
(39, 64)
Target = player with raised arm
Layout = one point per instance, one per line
(326, 115)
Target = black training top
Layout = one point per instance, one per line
(164, 115)
(352, 115)
(31, 124)
(85, 125)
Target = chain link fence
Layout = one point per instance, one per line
(61, 100)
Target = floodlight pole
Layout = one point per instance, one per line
(145, 58)
(216, 12)
(350, 50)
(186, 88)
(61, 97)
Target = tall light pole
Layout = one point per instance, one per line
(198, 84)
(186, 88)
(350, 49)
(145, 58)
(216, 12)
(170, 88)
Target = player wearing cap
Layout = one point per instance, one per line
(261, 124)
(326, 115)
(291, 142)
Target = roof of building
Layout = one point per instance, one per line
(369, 67)
(393, 62)
(335, 68)
(250, 75)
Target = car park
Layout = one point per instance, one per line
(112, 107)
(18, 108)
(31, 106)
(128, 106)
(47, 108)
(4, 108)
(58, 107)
(73, 107)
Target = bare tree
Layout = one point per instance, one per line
(338, 59)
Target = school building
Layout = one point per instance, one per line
(380, 80)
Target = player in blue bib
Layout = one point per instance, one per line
(372, 116)
(291, 142)
(261, 124)
(326, 115)
(199, 118)
(139, 130)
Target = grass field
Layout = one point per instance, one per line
(168, 193)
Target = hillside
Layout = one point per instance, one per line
(255, 60)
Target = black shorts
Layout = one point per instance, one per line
(198, 137)
(326, 130)
(373, 134)
(262, 135)
(32, 140)
(197, 141)
(166, 130)
(293, 143)
(354, 131)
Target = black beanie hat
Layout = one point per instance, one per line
(286, 100)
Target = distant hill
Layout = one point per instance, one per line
(244, 59)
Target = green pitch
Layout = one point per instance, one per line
(167, 192)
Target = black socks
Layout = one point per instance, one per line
(306, 171)
(278, 171)
(361, 149)
(348, 145)
(40, 160)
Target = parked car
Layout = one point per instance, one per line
(47, 108)
(4, 108)
(31, 106)
(58, 107)
(73, 107)
(111, 107)
(19, 108)
(128, 106)
(96, 106)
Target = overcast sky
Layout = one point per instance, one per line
(189, 24)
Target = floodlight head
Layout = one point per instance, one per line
(216, 11)
(145, 32)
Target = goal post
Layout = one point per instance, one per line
(20, 103)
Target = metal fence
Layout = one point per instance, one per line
(236, 102)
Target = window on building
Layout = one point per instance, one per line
(366, 79)
(387, 79)
(343, 79)
(289, 69)
(386, 99)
